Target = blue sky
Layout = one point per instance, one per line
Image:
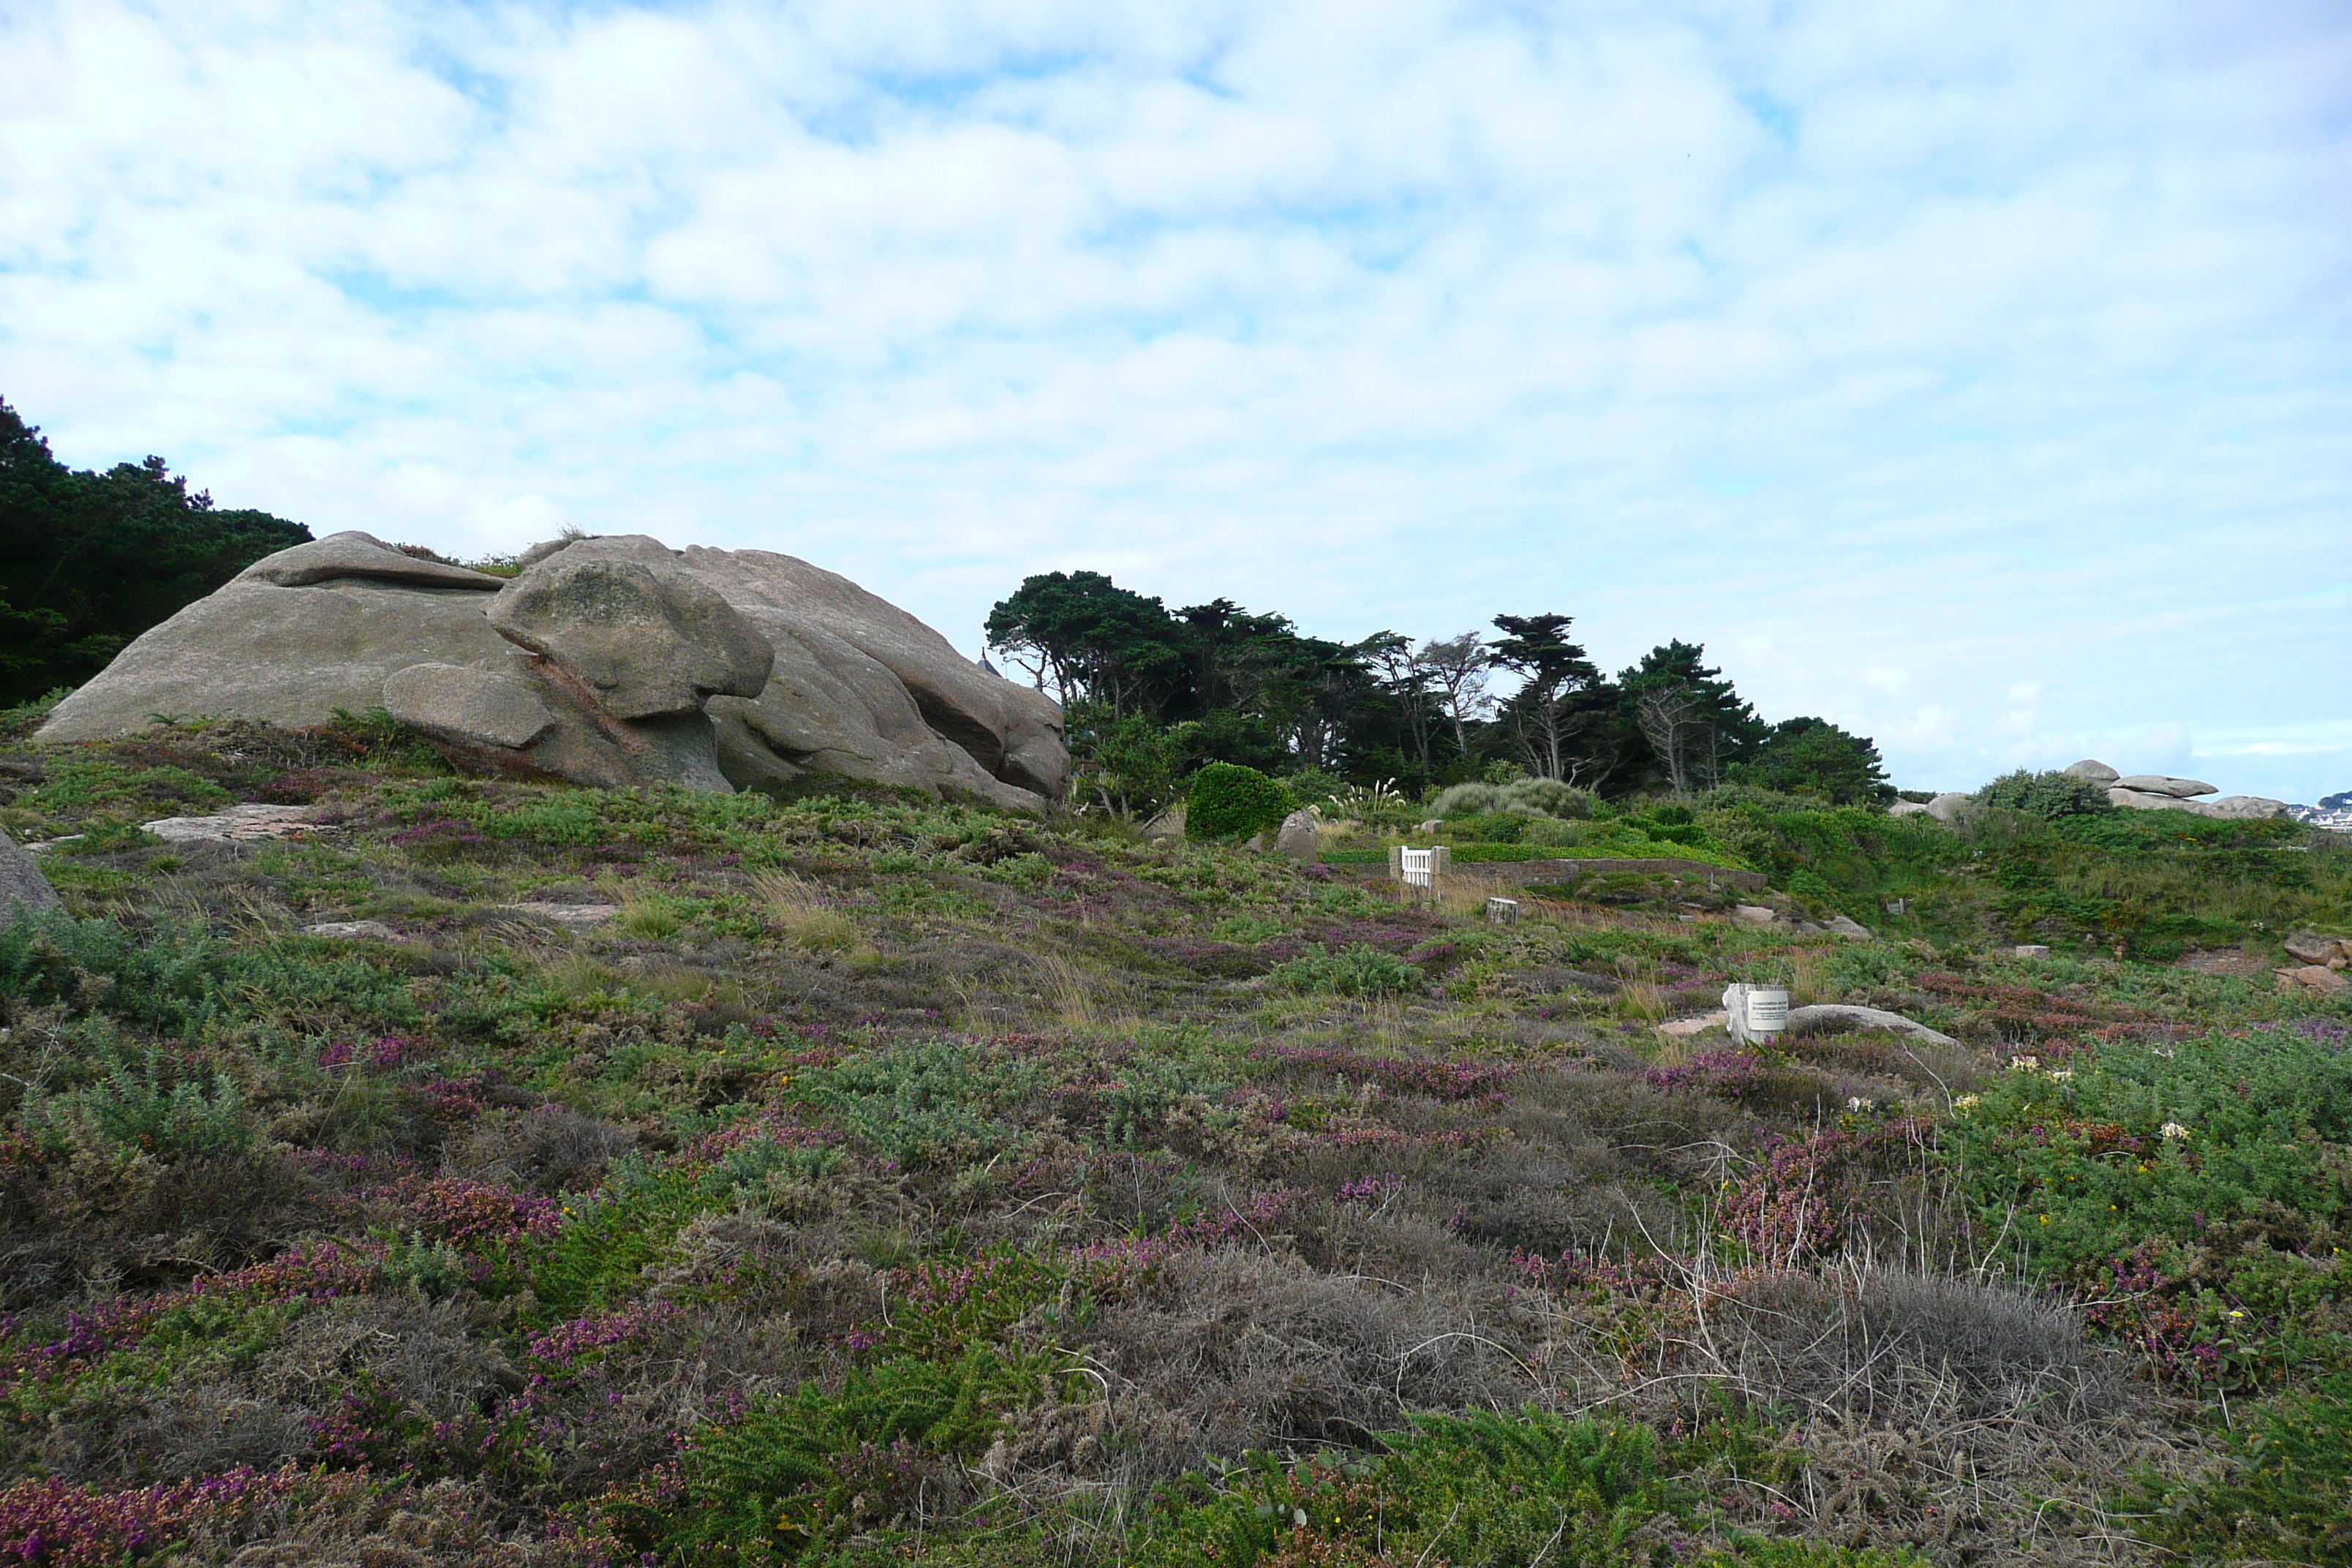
(1978, 376)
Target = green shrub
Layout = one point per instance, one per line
(2048, 795)
(151, 1103)
(25, 718)
(798, 1470)
(2281, 1498)
(1492, 827)
(1546, 797)
(1465, 800)
(1521, 796)
(1475, 1490)
(1360, 971)
(166, 983)
(1228, 800)
(1312, 788)
(79, 787)
(921, 1099)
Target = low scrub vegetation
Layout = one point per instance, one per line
(865, 1179)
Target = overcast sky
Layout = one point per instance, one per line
(1976, 375)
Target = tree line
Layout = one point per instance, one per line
(88, 560)
(1151, 694)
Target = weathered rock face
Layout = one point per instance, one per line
(2241, 805)
(608, 662)
(859, 686)
(22, 890)
(293, 653)
(1951, 805)
(2163, 783)
(2161, 792)
(649, 640)
(1300, 837)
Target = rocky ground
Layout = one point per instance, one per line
(428, 1169)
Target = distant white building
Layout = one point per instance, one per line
(2332, 812)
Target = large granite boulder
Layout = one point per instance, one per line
(293, 653)
(2239, 807)
(859, 686)
(649, 640)
(2092, 769)
(611, 662)
(1951, 805)
(2162, 783)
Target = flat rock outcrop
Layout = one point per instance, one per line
(2162, 792)
(610, 662)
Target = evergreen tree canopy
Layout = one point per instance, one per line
(1560, 714)
(1813, 756)
(1091, 640)
(1152, 695)
(1695, 725)
(88, 560)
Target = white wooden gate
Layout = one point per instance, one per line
(1419, 868)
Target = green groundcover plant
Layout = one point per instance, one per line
(853, 1177)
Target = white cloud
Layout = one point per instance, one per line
(1971, 376)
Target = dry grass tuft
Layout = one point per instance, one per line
(801, 914)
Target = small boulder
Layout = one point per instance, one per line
(468, 707)
(22, 890)
(1845, 929)
(2031, 950)
(648, 640)
(2092, 769)
(2313, 948)
(1754, 914)
(1908, 808)
(1951, 805)
(1299, 838)
(352, 931)
(1424, 829)
(249, 824)
(2163, 783)
(571, 917)
(2317, 977)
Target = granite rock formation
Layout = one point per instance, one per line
(610, 662)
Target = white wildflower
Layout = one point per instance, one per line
(1967, 1103)
(1857, 1104)
(2025, 1064)
(2059, 1075)
(2174, 1130)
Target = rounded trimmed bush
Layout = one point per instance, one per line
(1229, 800)
(1465, 800)
(1546, 797)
